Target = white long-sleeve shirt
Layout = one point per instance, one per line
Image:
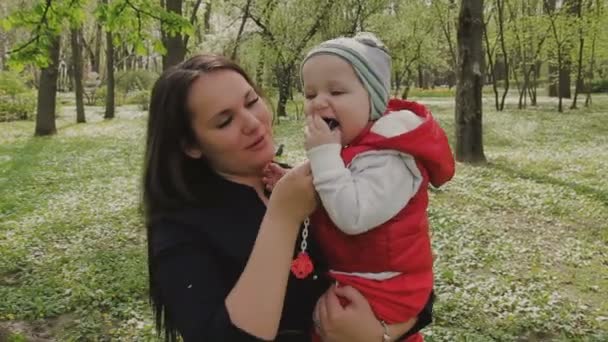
(375, 186)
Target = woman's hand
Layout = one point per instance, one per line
(354, 322)
(294, 195)
(272, 174)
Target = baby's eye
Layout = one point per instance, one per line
(336, 92)
(309, 96)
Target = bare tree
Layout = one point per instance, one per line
(468, 113)
(110, 84)
(47, 92)
(75, 35)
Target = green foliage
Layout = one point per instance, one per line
(16, 338)
(599, 86)
(140, 97)
(133, 23)
(17, 102)
(412, 38)
(45, 20)
(97, 96)
(11, 83)
(18, 107)
(433, 92)
(135, 80)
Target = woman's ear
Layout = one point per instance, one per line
(192, 151)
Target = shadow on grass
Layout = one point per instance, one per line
(584, 190)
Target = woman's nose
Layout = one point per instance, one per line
(251, 122)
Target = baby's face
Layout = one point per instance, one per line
(333, 91)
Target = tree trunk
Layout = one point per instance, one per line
(598, 10)
(579, 68)
(397, 79)
(493, 71)
(468, 113)
(549, 8)
(284, 86)
(175, 44)
(260, 66)
(534, 88)
(207, 18)
(47, 92)
(241, 28)
(110, 84)
(559, 84)
(77, 74)
(504, 51)
(96, 63)
(3, 50)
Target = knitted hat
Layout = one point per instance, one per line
(370, 59)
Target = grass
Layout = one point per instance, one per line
(521, 243)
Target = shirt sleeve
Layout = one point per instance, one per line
(370, 191)
(191, 289)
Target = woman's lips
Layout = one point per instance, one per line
(258, 143)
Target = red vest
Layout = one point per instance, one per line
(401, 244)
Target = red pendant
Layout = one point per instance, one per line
(302, 266)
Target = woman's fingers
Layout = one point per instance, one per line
(334, 307)
(321, 315)
(352, 295)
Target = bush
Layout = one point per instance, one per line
(11, 84)
(599, 86)
(97, 97)
(135, 80)
(141, 98)
(18, 107)
(432, 92)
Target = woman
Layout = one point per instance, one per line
(219, 248)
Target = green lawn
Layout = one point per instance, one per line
(521, 243)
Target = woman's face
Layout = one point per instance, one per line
(231, 123)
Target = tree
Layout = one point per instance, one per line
(469, 75)
(597, 22)
(47, 91)
(408, 31)
(286, 40)
(562, 31)
(45, 20)
(75, 37)
(132, 24)
(578, 8)
(498, 13)
(110, 84)
(175, 41)
(528, 32)
(445, 12)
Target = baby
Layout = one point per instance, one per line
(372, 161)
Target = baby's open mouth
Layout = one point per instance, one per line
(332, 123)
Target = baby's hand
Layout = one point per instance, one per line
(272, 173)
(317, 133)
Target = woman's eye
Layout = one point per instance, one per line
(225, 123)
(252, 102)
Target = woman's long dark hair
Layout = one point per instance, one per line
(166, 182)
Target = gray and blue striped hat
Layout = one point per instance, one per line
(370, 59)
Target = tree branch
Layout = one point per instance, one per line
(36, 37)
(241, 28)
